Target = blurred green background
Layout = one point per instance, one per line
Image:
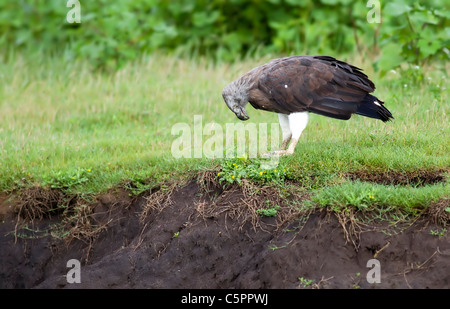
(114, 32)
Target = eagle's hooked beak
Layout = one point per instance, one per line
(241, 113)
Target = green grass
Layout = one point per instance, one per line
(382, 199)
(64, 126)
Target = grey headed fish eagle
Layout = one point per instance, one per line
(294, 86)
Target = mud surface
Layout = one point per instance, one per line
(192, 238)
(416, 178)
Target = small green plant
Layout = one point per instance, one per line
(176, 234)
(274, 247)
(305, 283)
(236, 169)
(268, 212)
(138, 182)
(66, 179)
(356, 281)
(438, 233)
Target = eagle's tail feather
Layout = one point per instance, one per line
(372, 107)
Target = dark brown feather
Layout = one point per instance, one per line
(319, 84)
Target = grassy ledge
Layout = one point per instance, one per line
(63, 126)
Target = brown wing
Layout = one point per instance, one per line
(319, 84)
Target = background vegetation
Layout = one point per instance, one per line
(113, 32)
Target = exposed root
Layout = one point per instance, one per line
(37, 203)
(208, 182)
(321, 283)
(244, 201)
(351, 226)
(439, 212)
(157, 200)
(80, 224)
(418, 266)
(77, 222)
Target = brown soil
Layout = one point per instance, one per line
(416, 178)
(198, 235)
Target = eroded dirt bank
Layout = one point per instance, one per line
(189, 237)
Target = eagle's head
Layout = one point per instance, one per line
(236, 97)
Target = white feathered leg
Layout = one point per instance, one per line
(297, 123)
(285, 130)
